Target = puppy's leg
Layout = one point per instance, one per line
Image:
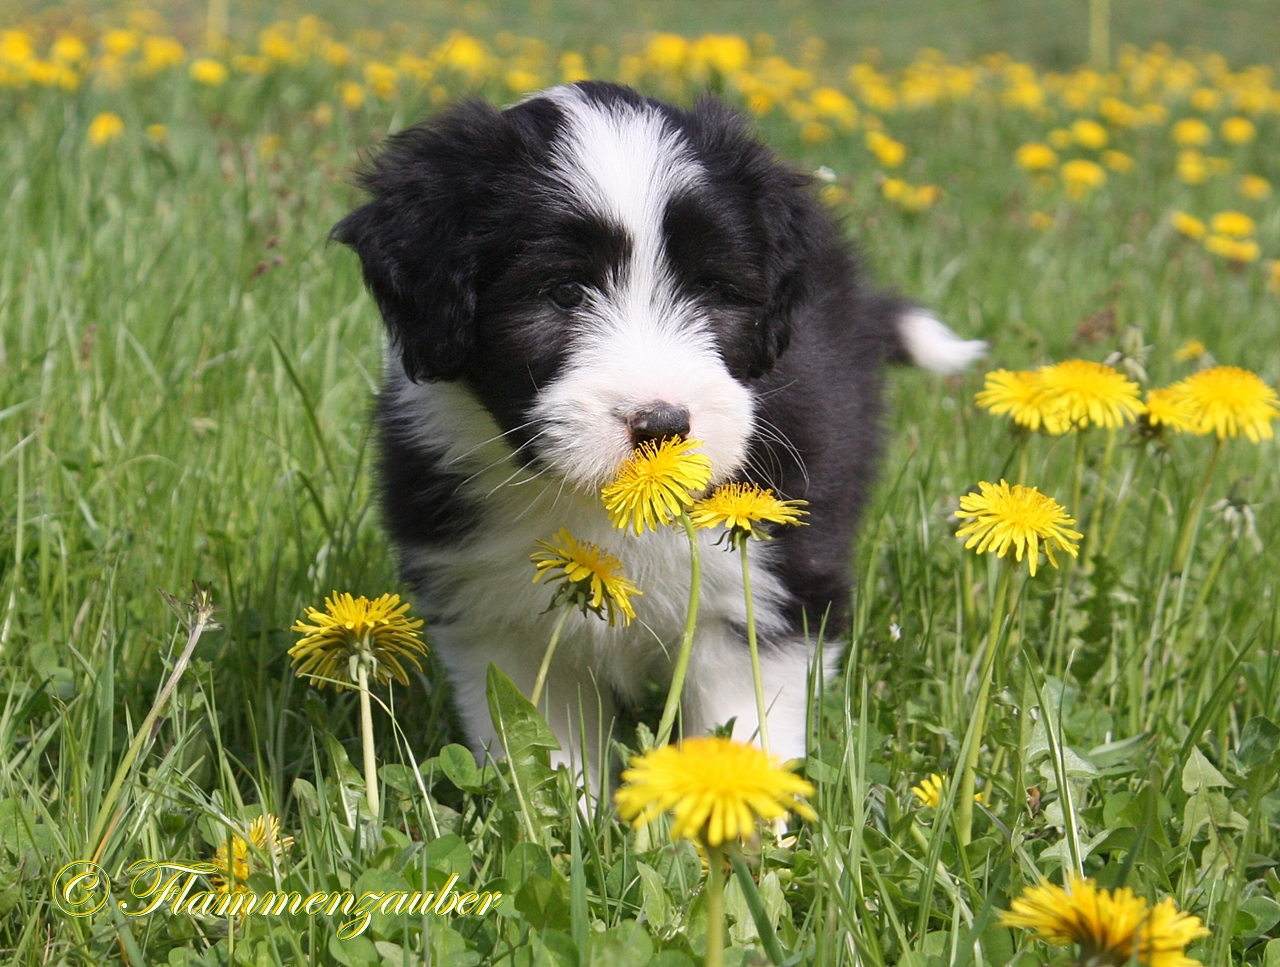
(720, 687)
(573, 703)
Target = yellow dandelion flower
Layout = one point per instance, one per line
(1040, 221)
(894, 188)
(1206, 99)
(1234, 224)
(1229, 401)
(1166, 408)
(921, 197)
(1189, 350)
(1238, 130)
(1188, 225)
(1113, 928)
(1016, 393)
(1080, 176)
(120, 42)
(716, 788)
(1060, 138)
(1079, 393)
(929, 792)
(739, 506)
(815, 132)
(104, 128)
(351, 95)
(1088, 133)
(888, 152)
(1004, 516)
(1119, 162)
(1239, 250)
(1254, 187)
(16, 47)
(350, 629)
(235, 865)
(1193, 167)
(1191, 133)
(161, 53)
(724, 53)
(655, 485)
(1035, 156)
(831, 103)
(69, 49)
(207, 71)
(591, 577)
(667, 52)
(158, 133)
(382, 79)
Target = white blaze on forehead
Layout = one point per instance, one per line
(624, 162)
(636, 342)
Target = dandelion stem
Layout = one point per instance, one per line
(755, 651)
(1094, 523)
(1077, 471)
(1192, 521)
(667, 723)
(1186, 546)
(715, 906)
(366, 734)
(546, 656)
(1058, 634)
(964, 813)
(1122, 502)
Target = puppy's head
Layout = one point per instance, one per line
(599, 268)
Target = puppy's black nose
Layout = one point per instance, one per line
(657, 421)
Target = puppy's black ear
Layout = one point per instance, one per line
(799, 242)
(417, 237)
(793, 233)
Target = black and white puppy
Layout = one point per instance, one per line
(567, 278)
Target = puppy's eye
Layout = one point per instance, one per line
(566, 295)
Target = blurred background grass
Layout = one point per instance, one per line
(1049, 33)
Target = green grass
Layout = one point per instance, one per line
(186, 369)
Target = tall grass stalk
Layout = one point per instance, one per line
(200, 614)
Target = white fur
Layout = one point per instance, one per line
(639, 343)
(934, 346)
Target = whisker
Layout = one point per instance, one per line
(770, 431)
(765, 476)
(485, 443)
(515, 473)
(777, 389)
(500, 460)
(538, 496)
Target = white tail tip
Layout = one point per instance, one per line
(934, 346)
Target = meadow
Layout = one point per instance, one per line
(186, 371)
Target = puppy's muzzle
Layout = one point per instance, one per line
(656, 422)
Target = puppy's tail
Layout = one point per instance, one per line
(920, 339)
